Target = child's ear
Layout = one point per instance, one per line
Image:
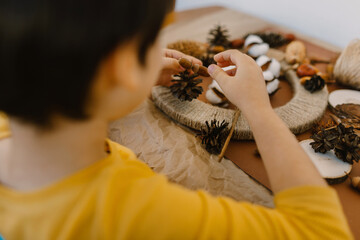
(123, 67)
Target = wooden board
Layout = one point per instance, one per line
(242, 152)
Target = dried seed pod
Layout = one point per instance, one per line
(295, 52)
(192, 48)
(306, 70)
(355, 183)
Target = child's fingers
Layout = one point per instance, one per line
(218, 74)
(170, 53)
(172, 64)
(229, 57)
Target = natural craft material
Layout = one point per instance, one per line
(314, 84)
(219, 36)
(355, 183)
(215, 95)
(295, 52)
(196, 68)
(236, 118)
(274, 39)
(306, 70)
(185, 87)
(213, 137)
(344, 141)
(347, 70)
(271, 71)
(332, 169)
(192, 48)
(299, 114)
(254, 46)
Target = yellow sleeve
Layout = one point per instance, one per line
(157, 209)
(4, 126)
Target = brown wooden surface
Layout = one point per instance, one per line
(242, 152)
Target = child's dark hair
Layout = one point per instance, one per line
(50, 50)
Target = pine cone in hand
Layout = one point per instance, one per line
(214, 136)
(185, 87)
(316, 83)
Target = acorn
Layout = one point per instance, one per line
(238, 43)
(196, 68)
(306, 70)
(355, 183)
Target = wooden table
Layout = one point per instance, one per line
(242, 152)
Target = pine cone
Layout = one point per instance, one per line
(219, 37)
(316, 83)
(348, 145)
(185, 87)
(214, 136)
(324, 140)
(207, 59)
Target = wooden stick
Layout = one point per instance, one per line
(235, 119)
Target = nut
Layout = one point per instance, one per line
(306, 70)
(295, 52)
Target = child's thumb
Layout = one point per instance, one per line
(217, 73)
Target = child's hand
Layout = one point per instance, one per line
(244, 86)
(171, 65)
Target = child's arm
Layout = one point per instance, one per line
(286, 163)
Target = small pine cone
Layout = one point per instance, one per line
(324, 140)
(219, 36)
(208, 59)
(213, 137)
(316, 83)
(348, 146)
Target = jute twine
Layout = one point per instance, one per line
(299, 114)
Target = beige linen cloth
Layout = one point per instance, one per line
(174, 151)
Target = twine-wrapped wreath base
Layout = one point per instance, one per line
(299, 114)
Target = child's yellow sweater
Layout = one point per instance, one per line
(122, 198)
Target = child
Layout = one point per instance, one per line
(67, 68)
